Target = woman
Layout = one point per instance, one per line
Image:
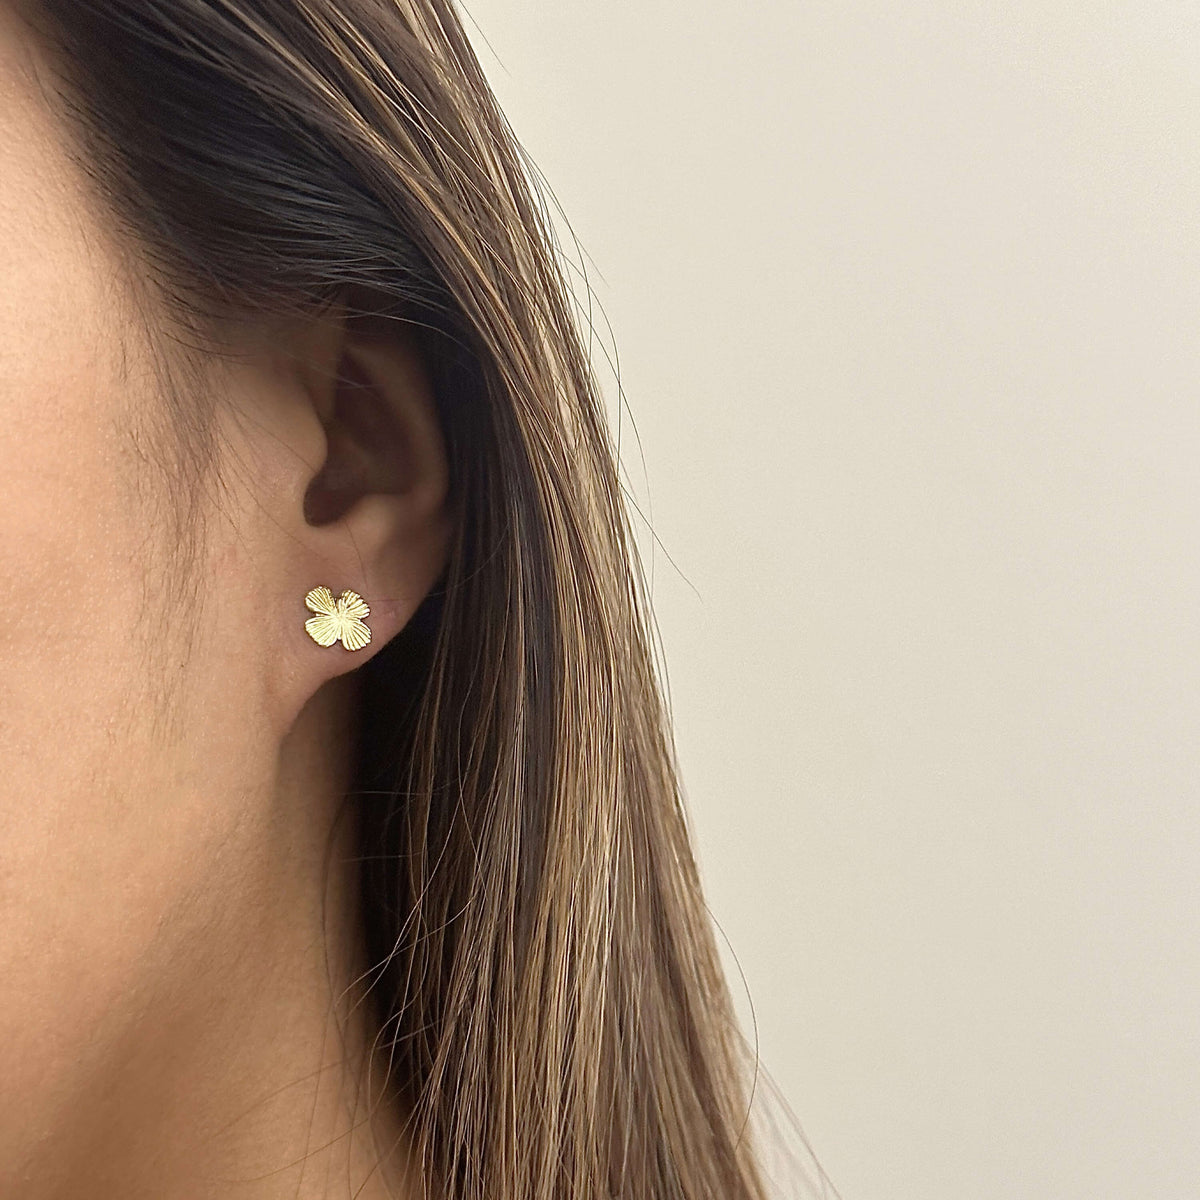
(342, 853)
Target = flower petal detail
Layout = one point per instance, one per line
(321, 600)
(324, 629)
(351, 604)
(355, 635)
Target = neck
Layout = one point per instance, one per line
(244, 1074)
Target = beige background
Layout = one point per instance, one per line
(906, 301)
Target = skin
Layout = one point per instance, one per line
(173, 756)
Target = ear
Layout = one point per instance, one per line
(359, 482)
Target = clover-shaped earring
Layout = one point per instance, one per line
(340, 618)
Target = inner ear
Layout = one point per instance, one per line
(367, 450)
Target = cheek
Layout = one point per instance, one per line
(76, 602)
(72, 545)
(88, 619)
(79, 753)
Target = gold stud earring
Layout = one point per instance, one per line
(341, 618)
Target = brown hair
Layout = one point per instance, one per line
(545, 978)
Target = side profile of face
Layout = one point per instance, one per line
(172, 740)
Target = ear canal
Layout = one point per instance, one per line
(365, 448)
(340, 481)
